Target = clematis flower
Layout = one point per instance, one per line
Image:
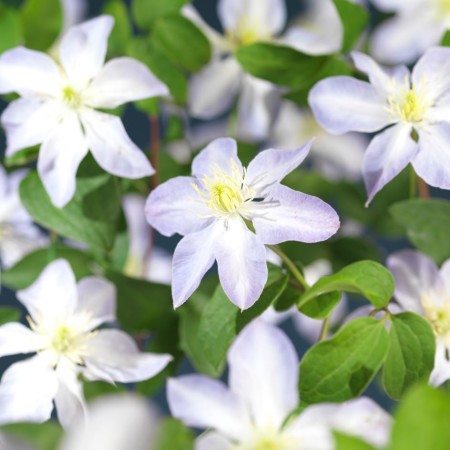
(63, 319)
(416, 26)
(214, 90)
(424, 289)
(211, 209)
(335, 157)
(58, 103)
(251, 413)
(18, 234)
(412, 107)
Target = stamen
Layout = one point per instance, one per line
(71, 97)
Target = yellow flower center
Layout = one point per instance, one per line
(271, 441)
(443, 6)
(71, 97)
(409, 104)
(437, 316)
(248, 31)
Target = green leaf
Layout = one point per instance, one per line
(342, 367)
(282, 65)
(173, 435)
(145, 12)
(42, 436)
(22, 157)
(183, 43)
(421, 421)
(122, 31)
(10, 28)
(25, 272)
(42, 23)
(427, 223)
(445, 42)
(8, 314)
(367, 278)
(89, 217)
(354, 20)
(345, 442)
(411, 354)
(322, 305)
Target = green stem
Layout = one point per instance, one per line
(324, 329)
(290, 265)
(412, 183)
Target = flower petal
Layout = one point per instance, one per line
(27, 390)
(293, 216)
(123, 80)
(57, 169)
(192, 258)
(97, 297)
(265, 18)
(83, 49)
(112, 355)
(29, 122)
(343, 104)
(16, 338)
(441, 370)
(415, 274)
(220, 153)
(432, 162)
(241, 262)
(445, 274)
(213, 90)
(53, 295)
(211, 440)
(29, 73)
(175, 207)
(202, 402)
(388, 154)
(111, 146)
(267, 380)
(271, 166)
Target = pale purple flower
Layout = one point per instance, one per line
(211, 209)
(58, 103)
(63, 318)
(411, 109)
(251, 412)
(423, 288)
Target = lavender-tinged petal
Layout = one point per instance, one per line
(441, 370)
(211, 440)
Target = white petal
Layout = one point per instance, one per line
(29, 73)
(53, 295)
(111, 146)
(16, 338)
(159, 267)
(293, 216)
(415, 274)
(271, 166)
(192, 258)
(73, 12)
(445, 274)
(257, 104)
(97, 297)
(175, 207)
(202, 402)
(112, 355)
(265, 18)
(27, 390)
(396, 5)
(241, 262)
(211, 440)
(264, 372)
(388, 154)
(213, 90)
(83, 49)
(432, 163)
(123, 80)
(29, 122)
(69, 399)
(441, 370)
(61, 154)
(343, 104)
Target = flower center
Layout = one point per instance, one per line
(71, 97)
(437, 316)
(409, 104)
(443, 6)
(248, 31)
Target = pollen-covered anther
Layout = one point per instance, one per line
(72, 98)
(437, 316)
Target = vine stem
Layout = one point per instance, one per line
(324, 329)
(290, 265)
(424, 191)
(155, 146)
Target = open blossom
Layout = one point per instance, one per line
(18, 234)
(214, 90)
(58, 103)
(412, 107)
(424, 289)
(211, 209)
(63, 318)
(251, 413)
(416, 26)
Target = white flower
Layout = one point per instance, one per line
(18, 234)
(63, 317)
(251, 413)
(57, 108)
